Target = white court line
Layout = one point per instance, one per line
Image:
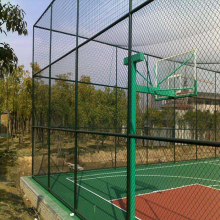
(102, 177)
(212, 163)
(210, 186)
(152, 175)
(108, 201)
(170, 189)
(158, 191)
(151, 168)
(163, 176)
(182, 177)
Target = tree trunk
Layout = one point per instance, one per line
(16, 124)
(12, 128)
(8, 147)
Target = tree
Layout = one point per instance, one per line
(8, 59)
(13, 18)
(36, 68)
(63, 102)
(16, 98)
(1, 95)
(155, 118)
(22, 108)
(202, 121)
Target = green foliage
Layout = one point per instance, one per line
(159, 118)
(199, 119)
(35, 67)
(189, 119)
(62, 103)
(15, 98)
(19, 92)
(155, 117)
(8, 59)
(96, 105)
(24, 104)
(202, 121)
(13, 18)
(217, 120)
(8, 154)
(1, 95)
(41, 99)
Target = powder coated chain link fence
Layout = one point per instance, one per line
(136, 138)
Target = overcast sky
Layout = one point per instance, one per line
(22, 45)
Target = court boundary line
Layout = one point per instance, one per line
(163, 176)
(111, 175)
(158, 191)
(210, 186)
(152, 168)
(212, 163)
(108, 201)
(151, 175)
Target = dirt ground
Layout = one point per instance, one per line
(13, 165)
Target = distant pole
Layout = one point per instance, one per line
(215, 121)
(174, 126)
(49, 101)
(147, 111)
(130, 174)
(116, 104)
(76, 150)
(33, 108)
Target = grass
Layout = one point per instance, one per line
(12, 167)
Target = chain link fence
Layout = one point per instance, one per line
(126, 106)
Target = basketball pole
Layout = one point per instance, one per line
(132, 127)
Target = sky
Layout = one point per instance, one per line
(151, 34)
(22, 45)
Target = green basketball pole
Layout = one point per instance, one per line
(134, 88)
(132, 125)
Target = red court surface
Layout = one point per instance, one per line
(188, 202)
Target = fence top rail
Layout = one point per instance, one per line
(146, 137)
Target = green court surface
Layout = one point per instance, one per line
(97, 189)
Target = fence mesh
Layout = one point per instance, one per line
(115, 77)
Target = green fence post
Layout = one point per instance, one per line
(215, 122)
(130, 199)
(174, 121)
(32, 113)
(196, 130)
(49, 106)
(116, 104)
(147, 111)
(76, 110)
